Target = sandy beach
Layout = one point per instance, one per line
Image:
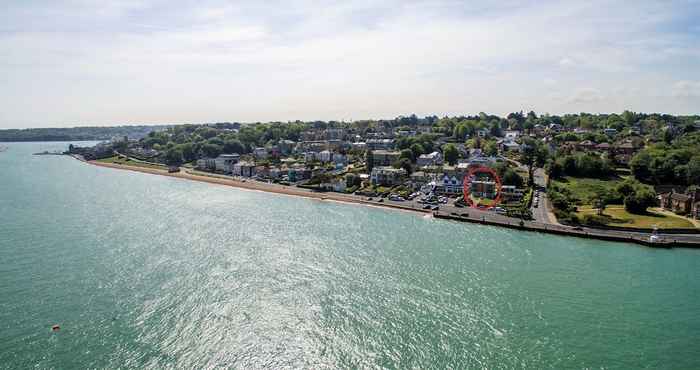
(258, 186)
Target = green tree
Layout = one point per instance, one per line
(450, 153)
(638, 202)
(490, 148)
(641, 166)
(417, 150)
(511, 177)
(234, 146)
(534, 154)
(599, 200)
(461, 132)
(188, 152)
(173, 157)
(404, 163)
(352, 179)
(212, 150)
(408, 154)
(693, 171)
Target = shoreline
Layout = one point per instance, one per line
(256, 186)
(630, 237)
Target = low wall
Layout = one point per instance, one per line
(559, 230)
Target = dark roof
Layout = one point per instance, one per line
(680, 197)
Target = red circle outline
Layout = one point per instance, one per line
(466, 184)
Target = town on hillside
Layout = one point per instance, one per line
(628, 170)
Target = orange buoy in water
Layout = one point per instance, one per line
(55, 328)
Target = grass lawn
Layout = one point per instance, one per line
(119, 160)
(619, 217)
(482, 201)
(584, 188)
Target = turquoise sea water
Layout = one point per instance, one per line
(143, 271)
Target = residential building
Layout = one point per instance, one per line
(207, 164)
(325, 156)
(432, 159)
(687, 203)
(387, 176)
(511, 135)
(310, 157)
(335, 133)
(604, 147)
(340, 159)
(360, 145)
(418, 179)
(555, 128)
(244, 169)
(508, 146)
(511, 193)
(610, 131)
(384, 157)
(403, 133)
(298, 174)
(286, 146)
(260, 153)
(483, 189)
(224, 162)
(380, 144)
(586, 145)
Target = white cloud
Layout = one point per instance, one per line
(566, 62)
(586, 95)
(686, 89)
(175, 61)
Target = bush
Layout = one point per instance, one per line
(642, 198)
(594, 220)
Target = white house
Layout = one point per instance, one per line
(511, 193)
(310, 157)
(244, 169)
(432, 159)
(224, 162)
(325, 156)
(208, 164)
(260, 153)
(383, 175)
(512, 135)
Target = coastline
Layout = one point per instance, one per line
(257, 186)
(626, 237)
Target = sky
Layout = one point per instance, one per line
(82, 62)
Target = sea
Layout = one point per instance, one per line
(141, 271)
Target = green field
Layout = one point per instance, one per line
(584, 188)
(124, 161)
(618, 216)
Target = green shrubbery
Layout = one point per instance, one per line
(581, 165)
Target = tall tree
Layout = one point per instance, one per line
(450, 153)
(534, 154)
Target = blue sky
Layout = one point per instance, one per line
(80, 62)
